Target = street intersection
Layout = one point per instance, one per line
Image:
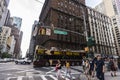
(11, 71)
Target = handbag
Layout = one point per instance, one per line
(56, 68)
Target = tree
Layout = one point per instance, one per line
(1, 47)
(6, 55)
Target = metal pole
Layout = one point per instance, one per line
(84, 18)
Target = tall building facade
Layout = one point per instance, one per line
(32, 40)
(7, 23)
(3, 11)
(11, 43)
(111, 8)
(21, 35)
(116, 31)
(116, 6)
(101, 30)
(4, 37)
(16, 22)
(65, 16)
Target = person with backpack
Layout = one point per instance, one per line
(113, 67)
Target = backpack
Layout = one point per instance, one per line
(111, 63)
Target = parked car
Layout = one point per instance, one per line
(1, 60)
(7, 59)
(23, 61)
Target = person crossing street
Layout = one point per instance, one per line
(58, 69)
(68, 70)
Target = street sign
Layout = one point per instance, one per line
(60, 32)
(91, 41)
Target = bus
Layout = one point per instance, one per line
(44, 57)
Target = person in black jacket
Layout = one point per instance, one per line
(100, 68)
(92, 67)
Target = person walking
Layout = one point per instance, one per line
(100, 68)
(87, 68)
(116, 67)
(113, 67)
(68, 70)
(83, 64)
(58, 69)
(92, 67)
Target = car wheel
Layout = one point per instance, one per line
(16, 62)
(24, 62)
(28, 62)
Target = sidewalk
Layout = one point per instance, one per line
(107, 75)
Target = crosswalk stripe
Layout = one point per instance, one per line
(10, 78)
(31, 78)
(53, 77)
(65, 77)
(19, 77)
(43, 77)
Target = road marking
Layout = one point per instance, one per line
(6, 69)
(24, 71)
(50, 71)
(20, 77)
(65, 77)
(43, 77)
(10, 78)
(31, 78)
(46, 67)
(53, 77)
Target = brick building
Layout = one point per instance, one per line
(64, 15)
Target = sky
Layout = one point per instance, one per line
(29, 10)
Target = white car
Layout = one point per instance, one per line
(23, 61)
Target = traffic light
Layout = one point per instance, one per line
(42, 31)
(91, 41)
(86, 49)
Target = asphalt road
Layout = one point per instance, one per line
(11, 71)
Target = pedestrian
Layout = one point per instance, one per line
(100, 68)
(92, 67)
(116, 67)
(68, 70)
(83, 64)
(87, 68)
(113, 67)
(58, 69)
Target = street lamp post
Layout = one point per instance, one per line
(90, 40)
